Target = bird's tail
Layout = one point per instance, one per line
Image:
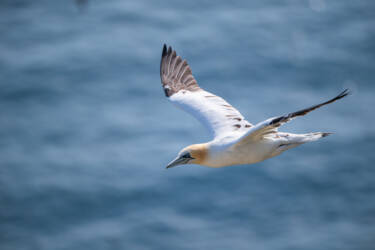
(294, 140)
(313, 136)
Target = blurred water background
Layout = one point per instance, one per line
(85, 129)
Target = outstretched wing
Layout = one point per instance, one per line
(270, 126)
(182, 89)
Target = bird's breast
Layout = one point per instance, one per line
(244, 154)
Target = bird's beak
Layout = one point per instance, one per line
(178, 161)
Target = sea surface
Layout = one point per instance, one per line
(86, 132)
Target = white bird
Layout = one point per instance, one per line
(235, 140)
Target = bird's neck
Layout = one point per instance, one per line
(199, 152)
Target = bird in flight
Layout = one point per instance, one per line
(235, 140)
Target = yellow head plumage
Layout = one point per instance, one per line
(193, 154)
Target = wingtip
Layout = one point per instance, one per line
(164, 50)
(344, 93)
(167, 50)
(326, 134)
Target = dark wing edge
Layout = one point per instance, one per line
(269, 126)
(278, 121)
(175, 73)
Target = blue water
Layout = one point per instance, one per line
(85, 129)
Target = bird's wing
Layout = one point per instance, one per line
(182, 89)
(271, 125)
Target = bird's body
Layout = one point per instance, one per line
(226, 154)
(235, 140)
(227, 151)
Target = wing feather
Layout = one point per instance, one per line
(175, 73)
(271, 125)
(182, 89)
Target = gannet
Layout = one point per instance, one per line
(235, 140)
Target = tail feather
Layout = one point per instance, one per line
(314, 136)
(294, 140)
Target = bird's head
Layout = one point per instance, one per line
(193, 154)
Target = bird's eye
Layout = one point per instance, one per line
(187, 156)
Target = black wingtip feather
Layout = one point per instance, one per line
(285, 118)
(326, 134)
(344, 93)
(341, 95)
(164, 50)
(163, 54)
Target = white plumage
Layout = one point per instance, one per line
(219, 117)
(234, 140)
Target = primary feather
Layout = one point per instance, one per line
(235, 140)
(182, 89)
